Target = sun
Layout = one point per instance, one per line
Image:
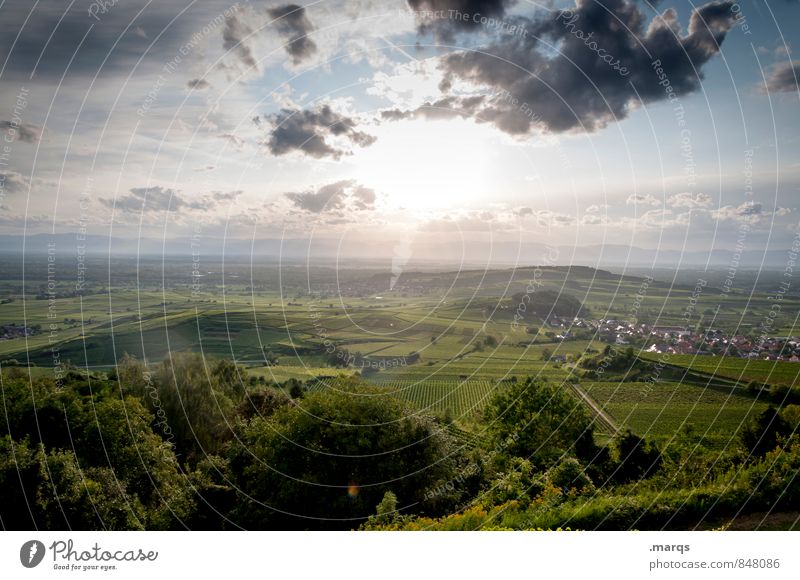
(429, 165)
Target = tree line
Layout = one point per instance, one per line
(197, 444)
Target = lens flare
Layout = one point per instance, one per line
(352, 491)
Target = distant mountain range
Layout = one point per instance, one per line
(477, 254)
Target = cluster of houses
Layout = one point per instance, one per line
(12, 331)
(682, 340)
(717, 342)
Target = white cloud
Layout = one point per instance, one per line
(687, 199)
(591, 219)
(596, 208)
(408, 85)
(749, 211)
(642, 199)
(13, 182)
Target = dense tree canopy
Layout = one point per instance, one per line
(538, 421)
(332, 457)
(188, 446)
(192, 399)
(546, 303)
(81, 456)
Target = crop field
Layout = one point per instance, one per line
(667, 410)
(739, 369)
(457, 325)
(283, 373)
(458, 399)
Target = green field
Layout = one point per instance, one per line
(668, 411)
(457, 323)
(738, 369)
(459, 399)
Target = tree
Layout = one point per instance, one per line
(262, 402)
(51, 491)
(774, 479)
(133, 376)
(570, 475)
(85, 457)
(791, 416)
(210, 479)
(536, 420)
(295, 388)
(342, 358)
(637, 458)
(386, 510)
(761, 434)
(520, 482)
(270, 358)
(196, 406)
(547, 303)
(118, 434)
(229, 378)
(329, 459)
(779, 393)
(447, 416)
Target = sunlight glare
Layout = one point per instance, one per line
(421, 165)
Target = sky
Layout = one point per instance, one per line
(431, 128)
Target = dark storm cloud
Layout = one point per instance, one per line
(308, 131)
(334, 196)
(783, 78)
(294, 26)
(198, 84)
(52, 33)
(445, 18)
(235, 39)
(25, 132)
(607, 59)
(147, 199)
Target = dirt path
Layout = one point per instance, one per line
(603, 417)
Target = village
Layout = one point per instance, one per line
(664, 339)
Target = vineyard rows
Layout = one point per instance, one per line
(461, 398)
